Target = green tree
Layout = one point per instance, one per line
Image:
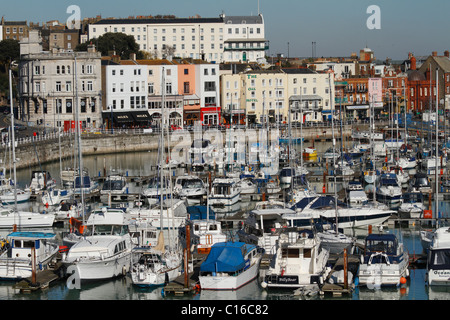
(9, 51)
(122, 44)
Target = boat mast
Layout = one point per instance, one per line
(78, 134)
(334, 152)
(13, 139)
(437, 146)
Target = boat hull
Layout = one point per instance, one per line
(226, 282)
(100, 269)
(154, 279)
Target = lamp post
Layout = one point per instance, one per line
(111, 122)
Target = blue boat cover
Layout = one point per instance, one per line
(32, 234)
(199, 213)
(226, 257)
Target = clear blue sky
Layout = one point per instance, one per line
(337, 26)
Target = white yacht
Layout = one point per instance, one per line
(41, 180)
(153, 191)
(300, 262)
(16, 262)
(104, 251)
(314, 208)
(412, 205)
(24, 219)
(384, 262)
(54, 197)
(88, 187)
(263, 227)
(156, 266)
(191, 188)
(438, 262)
(389, 190)
(224, 192)
(8, 197)
(114, 186)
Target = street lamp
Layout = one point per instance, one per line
(111, 108)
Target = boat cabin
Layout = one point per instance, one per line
(22, 245)
(381, 243)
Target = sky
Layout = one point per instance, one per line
(338, 27)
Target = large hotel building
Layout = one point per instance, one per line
(222, 39)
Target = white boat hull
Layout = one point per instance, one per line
(381, 274)
(148, 279)
(99, 269)
(227, 282)
(27, 220)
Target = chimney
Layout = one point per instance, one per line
(133, 56)
(434, 53)
(413, 63)
(447, 53)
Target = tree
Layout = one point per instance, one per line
(122, 44)
(9, 51)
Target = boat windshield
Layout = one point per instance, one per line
(192, 183)
(385, 244)
(389, 182)
(106, 230)
(439, 259)
(156, 183)
(113, 185)
(421, 182)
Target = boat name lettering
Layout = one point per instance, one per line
(288, 279)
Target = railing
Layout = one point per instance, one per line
(52, 136)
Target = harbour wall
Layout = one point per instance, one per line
(40, 151)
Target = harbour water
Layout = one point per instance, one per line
(121, 289)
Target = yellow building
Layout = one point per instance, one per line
(251, 94)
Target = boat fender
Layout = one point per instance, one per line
(124, 270)
(264, 285)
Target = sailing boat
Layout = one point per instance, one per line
(10, 218)
(333, 238)
(155, 265)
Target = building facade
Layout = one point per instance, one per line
(16, 30)
(210, 39)
(263, 97)
(54, 85)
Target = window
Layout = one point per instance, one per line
(169, 87)
(89, 69)
(210, 86)
(90, 86)
(150, 88)
(186, 87)
(37, 70)
(58, 86)
(69, 106)
(68, 86)
(186, 71)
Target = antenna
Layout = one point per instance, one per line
(258, 9)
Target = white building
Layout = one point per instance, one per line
(244, 38)
(219, 39)
(53, 84)
(125, 93)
